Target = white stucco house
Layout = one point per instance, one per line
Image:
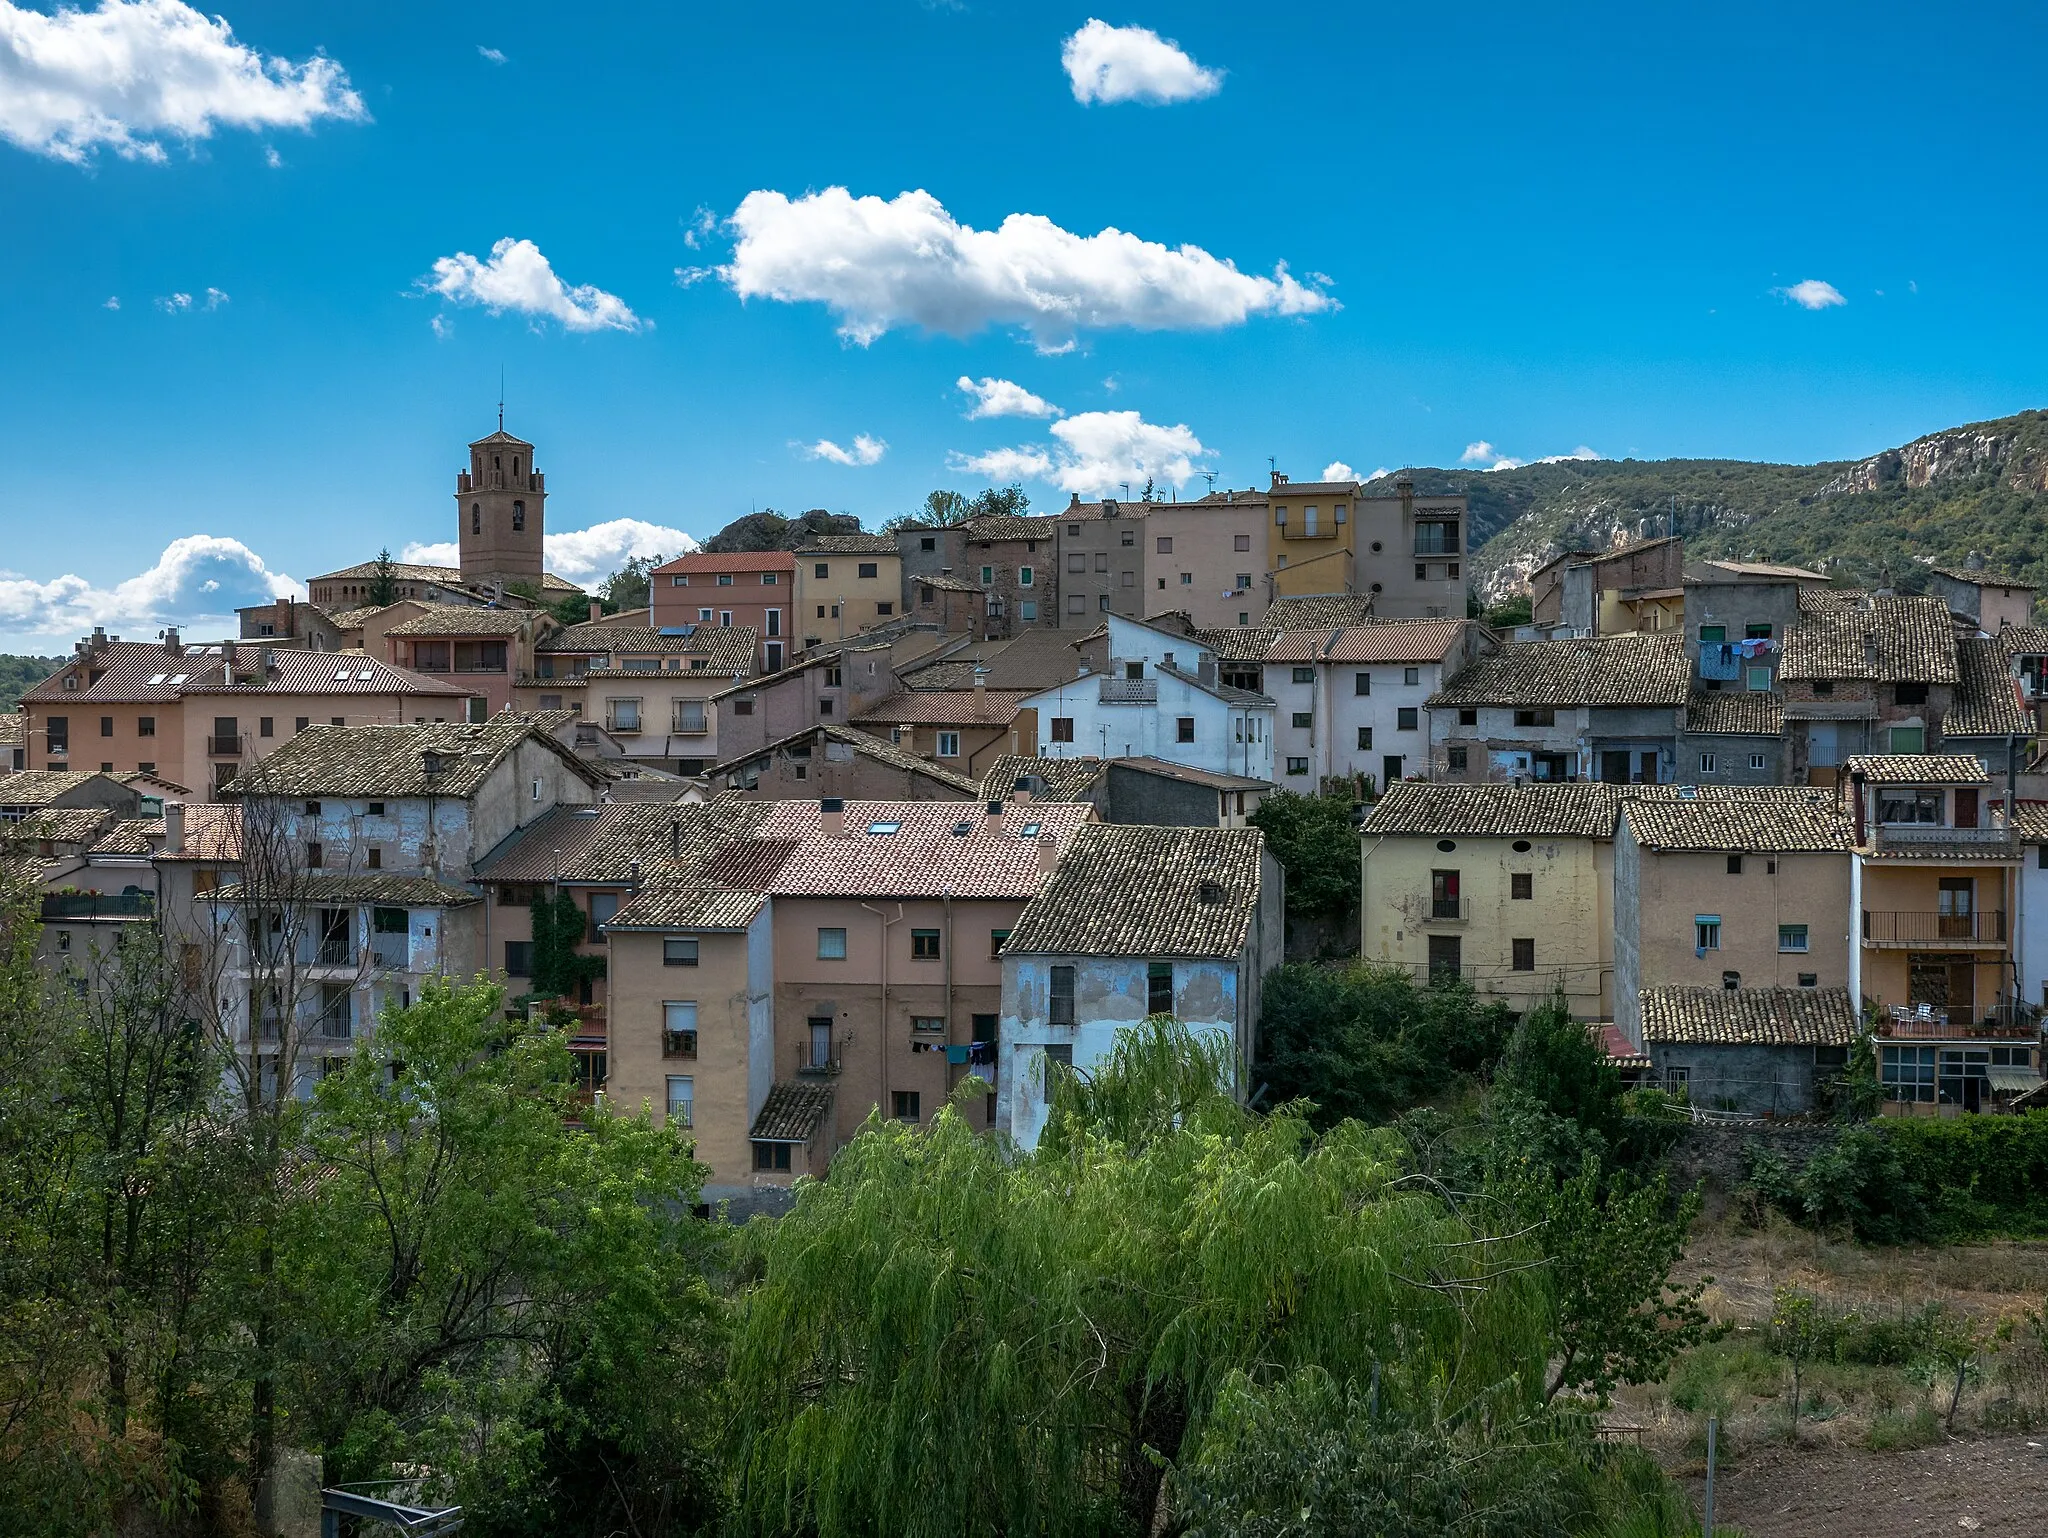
(1158, 697)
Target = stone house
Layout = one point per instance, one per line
(1759, 1050)
(484, 651)
(1623, 591)
(1012, 559)
(1136, 921)
(1558, 711)
(1864, 673)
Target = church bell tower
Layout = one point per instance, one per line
(500, 501)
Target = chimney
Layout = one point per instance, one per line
(1407, 490)
(1048, 854)
(1021, 791)
(287, 617)
(174, 827)
(262, 664)
(992, 821)
(1074, 502)
(227, 662)
(99, 639)
(1205, 668)
(1870, 651)
(596, 610)
(832, 817)
(172, 644)
(981, 678)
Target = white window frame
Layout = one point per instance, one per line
(831, 943)
(948, 745)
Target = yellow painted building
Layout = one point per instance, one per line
(845, 583)
(1406, 551)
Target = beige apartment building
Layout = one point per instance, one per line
(846, 583)
(649, 692)
(1205, 558)
(1406, 551)
(198, 715)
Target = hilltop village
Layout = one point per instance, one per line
(835, 830)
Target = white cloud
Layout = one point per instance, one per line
(171, 304)
(907, 262)
(1811, 294)
(1474, 452)
(1095, 452)
(702, 226)
(1112, 64)
(1004, 398)
(443, 327)
(113, 302)
(1581, 452)
(1481, 451)
(129, 73)
(177, 304)
(1337, 470)
(198, 582)
(865, 451)
(495, 55)
(517, 277)
(581, 555)
(271, 157)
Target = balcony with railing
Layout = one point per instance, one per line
(1919, 930)
(1130, 691)
(1439, 539)
(1450, 910)
(816, 1062)
(2007, 1020)
(224, 747)
(1910, 838)
(99, 905)
(392, 951)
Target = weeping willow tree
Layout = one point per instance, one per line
(949, 1337)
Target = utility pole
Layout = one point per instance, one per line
(1713, 1437)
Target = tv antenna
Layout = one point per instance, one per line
(501, 397)
(1209, 476)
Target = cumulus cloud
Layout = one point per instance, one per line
(1337, 470)
(877, 265)
(517, 277)
(581, 555)
(1004, 398)
(128, 74)
(1094, 452)
(1481, 452)
(495, 55)
(865, 451)
(1811, 294)
(1112, 64)
(198, 583)
(113, 302)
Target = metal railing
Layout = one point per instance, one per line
(2005, 1021)
(91, 905)
(1985, 927)
(221, 747)
(678, 1043)
(1130, 691)
(1450, 910)
(1908, 835)
(811, 1063)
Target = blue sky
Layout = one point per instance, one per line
(1539, 232)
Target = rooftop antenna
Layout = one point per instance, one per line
(1209, 476)
(501, 397)
(1272, 464)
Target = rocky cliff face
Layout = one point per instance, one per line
(2006, 447)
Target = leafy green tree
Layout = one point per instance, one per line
(1368, 1042)
(629, 587)
(1555, 1062)
(383, 579)
(1509, 612)
(999, 501)
(1801, 1330)
(949, 1338)
(1954, 1342)
(1317, 847)
(483, 1288)
(1609, 1245)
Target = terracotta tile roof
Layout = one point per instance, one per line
(1983, 578)
(2030, 640)
(42, 787)
(725, 648)
(1918, 768)
(948, 584)
(1062, 779)
(1766, 818)
(1892, 640)
(1037, 659)
(1610, 670)
(864, 743)
(466, 619)
(924, 856)
(689, 906)
(1312, 488)
(1439, 809)
(2030, 821)
(948, 707)
(848, 544)
(449, 576)
(1188, 773)
(131, 835)
(1987, 699)
(1237, 643)
(392, 891)
(141, 671)
(793, 1112)
(13, 729)
(213, 833)
(715, 561)
(1995, 851)
(1777, 1017)
(390, 760)
(1735, 713)
(1328, 612)
(1142, 891)
(352, 619)
(607, 843)
(1763, 569)
(999, 526)
(1392, 640)
(1620, 1051)
(65, 824)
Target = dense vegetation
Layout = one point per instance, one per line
(18, 674)
(1994, 504)
(444, 1269)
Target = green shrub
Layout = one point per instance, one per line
(1899, 1430)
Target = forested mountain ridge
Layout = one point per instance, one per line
(1978, 489)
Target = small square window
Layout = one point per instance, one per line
(1735, 865)
(1304, 675)
(1706, 763)
(1421, 572)
(1297, 766)
(831, 944)
(1455, 760)
(996, 937)
(1411, 675)
(1706, 933)
(1758, 678)
(1711, 634)
(677, 951)
(1304, 718)
(1809, 979)
(1468, 716)
(1757, 762)
(1184, 729)
(1361, 683)
(1792, 937)
(924, 944)
(1241, 542)
(904, 1105)
(1164, 545)
(1365, 741)
(774, 1157)
(1407, 719)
